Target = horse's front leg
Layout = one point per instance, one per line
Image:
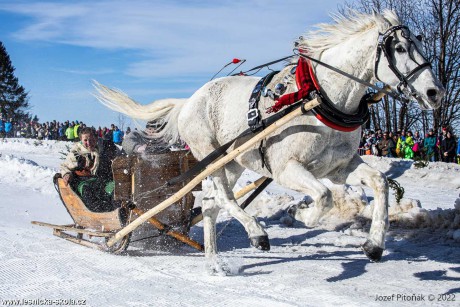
(357, 172)
(296, 177)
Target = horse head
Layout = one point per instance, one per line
(401, 63)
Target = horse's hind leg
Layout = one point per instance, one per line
(210, 211)
(359, 173)
(296, 177)
(210, 208)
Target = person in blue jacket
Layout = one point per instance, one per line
(117, 136)
(458, 152)
(9, 128)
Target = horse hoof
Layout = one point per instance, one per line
(261, 242)
(292, 211)
(373, 252)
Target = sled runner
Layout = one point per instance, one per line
(139, 186)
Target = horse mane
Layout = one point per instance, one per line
(353, 23)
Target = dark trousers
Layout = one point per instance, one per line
(95, 193)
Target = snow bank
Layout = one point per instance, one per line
(30, 173)
(43, 147)
(26, 173)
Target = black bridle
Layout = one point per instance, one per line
(384, 46)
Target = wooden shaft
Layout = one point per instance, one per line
(177, 235)
(237, 195)
(249, 187)
(211, 169)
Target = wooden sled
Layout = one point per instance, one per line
(88, 224)
(126, 172)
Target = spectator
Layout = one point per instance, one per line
(448, 148)
(400, 143)
(76, 131)
(418, 144)
(2, 128)
(109, 133)
(407, 146)
(40, 131)
(386, 146)
(429, 146)
(458, 153)
(9, 128)
(117, 136)
(440, 139)
(61, 132)
(69, 133)
(378, 135)
(99, 132)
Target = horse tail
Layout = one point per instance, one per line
(164, 112)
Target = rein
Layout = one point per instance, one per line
(356, 79)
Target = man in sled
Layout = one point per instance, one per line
(88, 171)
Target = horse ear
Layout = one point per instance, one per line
(419, 37)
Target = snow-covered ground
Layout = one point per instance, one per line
(320, 266)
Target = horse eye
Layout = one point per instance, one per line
(419, 37)
(400, 49)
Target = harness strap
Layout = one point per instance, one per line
(254, 113)
(256, 192)
(262, 156)
(326, 111)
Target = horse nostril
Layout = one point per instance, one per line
(432, 93)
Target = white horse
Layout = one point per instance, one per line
(305, 149)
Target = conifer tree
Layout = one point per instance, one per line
(13, 97)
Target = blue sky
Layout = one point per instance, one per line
(149, 49)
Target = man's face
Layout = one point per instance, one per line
(88, 141)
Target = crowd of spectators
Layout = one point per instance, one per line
(54, 130)
(403, 144)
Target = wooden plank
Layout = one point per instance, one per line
(73, 228)
(83, 242)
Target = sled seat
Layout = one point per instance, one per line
(83, 217)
